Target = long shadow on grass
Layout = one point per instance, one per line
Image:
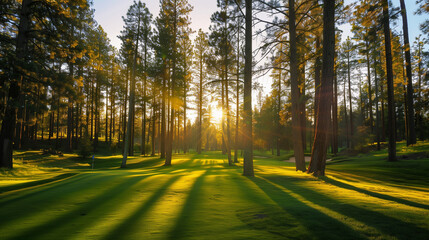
(22, 186)
(318, 224)
(188, 209)
(81, 211)
(374, 194)
(386, 224)
(127, 225)
(32, 192)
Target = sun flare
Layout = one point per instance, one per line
(216, 115)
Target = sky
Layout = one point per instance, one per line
(108, 13)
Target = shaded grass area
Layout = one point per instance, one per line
(201, 197)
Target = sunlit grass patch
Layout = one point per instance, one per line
(202, 197)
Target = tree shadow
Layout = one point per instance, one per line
(374, 194)
(179, 229)
(22, 186)
(127, 224)
(26, 194)
(385, 224)
(83, 210)
(318, 224)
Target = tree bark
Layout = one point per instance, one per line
(319, 151)
(390, 94)
(350, 98)
(296, 131)
(128, 139)
(411, 138)
(14, 95)
(247, 113)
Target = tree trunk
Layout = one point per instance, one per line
(390, 94)
(163, 111)
(247, 113)
(377, 112)
(14, 95)
(296, 131)
(411, 139)
(200, 104)
(132, 101)
(335, 117)
(319, 151)
(371, 117)
(350, 98)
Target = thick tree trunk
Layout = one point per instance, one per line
(14, 95)
(411, 139)
(296, 131)
(390, 94)
(247, 113)
(319, 151)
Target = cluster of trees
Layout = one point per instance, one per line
(64, 86)
(361, 98)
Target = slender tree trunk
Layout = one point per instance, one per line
(185, 133)
(169, 150)
(296, 131)
(350, 99)
(377, 112)
(279, 97)
(153, 129)
(143, 146)
(411, 139)
(390, 94)
(132, 102)
(371, 117)
(163, 112)
(247, 113)
(106, 132)
(335, 117)
(345, 116)
(319, 151)
(200, 104)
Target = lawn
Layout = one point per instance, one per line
(201, 197)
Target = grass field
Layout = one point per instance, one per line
(201, 197)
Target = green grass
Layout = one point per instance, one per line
(201, 197)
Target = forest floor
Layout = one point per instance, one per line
(201, 197)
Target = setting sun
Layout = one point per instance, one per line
(216, 115)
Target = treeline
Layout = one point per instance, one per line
(66, 88)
